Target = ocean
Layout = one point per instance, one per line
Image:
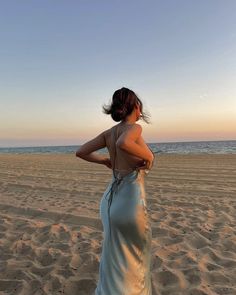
(194, 147)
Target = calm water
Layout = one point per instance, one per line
(207, 147)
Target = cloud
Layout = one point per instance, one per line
(203, 96)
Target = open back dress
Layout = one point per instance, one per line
(125, 261)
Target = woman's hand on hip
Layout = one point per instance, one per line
(147, 164)
(107, 162)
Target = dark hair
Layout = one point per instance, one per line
(123, 103)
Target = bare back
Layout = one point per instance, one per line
(123, 160)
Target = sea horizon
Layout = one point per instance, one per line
(179, 147)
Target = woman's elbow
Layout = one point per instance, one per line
(79, 153)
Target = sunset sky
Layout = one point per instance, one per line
(62, 60)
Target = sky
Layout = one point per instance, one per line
(61, 61)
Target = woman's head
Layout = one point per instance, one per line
(124, 102)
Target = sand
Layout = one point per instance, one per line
(51, 232)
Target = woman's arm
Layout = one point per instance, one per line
(93, 157)
(128, 142)
(86, 151)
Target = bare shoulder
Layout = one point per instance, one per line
(131, 133)
(137, 127)
(107, 132)
(134, 128)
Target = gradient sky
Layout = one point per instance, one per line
(62, 60)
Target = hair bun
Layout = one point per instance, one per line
(119, 114)
(123, 103)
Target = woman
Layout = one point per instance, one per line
(126, 249)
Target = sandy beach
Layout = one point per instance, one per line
(51, 232)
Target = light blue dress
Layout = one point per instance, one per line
(125, 261)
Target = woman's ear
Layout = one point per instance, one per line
(136, 105)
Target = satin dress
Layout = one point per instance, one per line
(125, 261)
